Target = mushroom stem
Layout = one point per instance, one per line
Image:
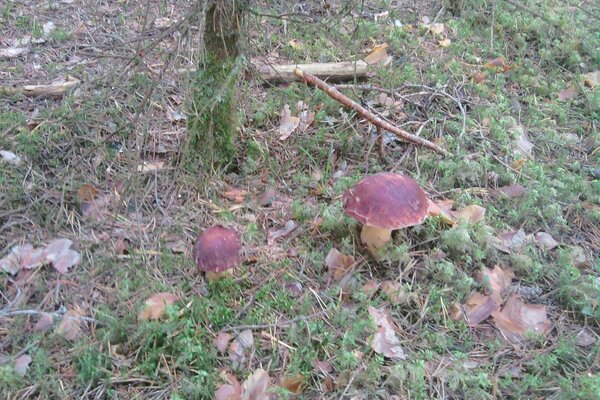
(215, 276)
(374, 238)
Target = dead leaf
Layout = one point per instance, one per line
(579, 259)
(96, 209)
(306, 119)
(87, 193)
(256, 386)
(61, 256)
(443, 209)
(512, 241)
(437, 28)
(385, 341)
(545, 241)
(237, 348)
(470, 214)
(13, 52)
(322, 366)
(296, 44)
(294, 383)
(395, 292)
(150, 166)
(230, 391)
(275, 234)
(497, 280)
(378, 56)
(568, 93)
(155, 307)
(44, 323)
(523, 145)
(236, 195)
(370, 287)
(479, 77)
(22, 364)
(510, 191)
(592, 79)
(499, 64)
(70, 324)
(221, 341)
(338, 264)
(444, 42)
(517, 318)
(479, 307)
(585, 338)
(287, 123)
(10, 157)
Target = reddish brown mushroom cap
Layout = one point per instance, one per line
(387, 200)
(217, 249)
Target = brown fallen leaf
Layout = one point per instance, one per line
(61, 255)
(370, 287)
(499, 64)
(243, 342)
(322, 366)
(378, 55)
(470, 214)
(293, 383)
(256, 386)
(87, 193)
(44, 323)
(443, 209)
(231, 390)
(338, 264)
(568, 93)
(21, 364)
(479, 77)
(510, 191)
(221, 341)
(395, 292)
(479, 307)
(156, 305)
(70, 324)
(236, 195)
(510, 242)
(385, 341)
(545, 240)
(497, 280)
(517, 318)
(287, 123)
(592, 79)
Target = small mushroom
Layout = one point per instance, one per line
(384, 202)
(217, 250)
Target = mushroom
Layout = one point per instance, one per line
(384, 202)
(217, 250)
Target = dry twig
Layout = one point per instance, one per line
(374, 119)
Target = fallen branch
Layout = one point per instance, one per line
(54, 89)
(363, 112)
(341, 71)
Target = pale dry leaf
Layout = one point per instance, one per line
(395, 292)
(445, 42)
(156, 305)
(585, 338)
(545, 240)
(322, 366)
(256, 386)
(510, 191)
(237, 348)
(221, 341)
(29, 257)
(479, 307)
(150, 166)
(21, 364)
(339, 264)
(378, 56)
(13, 52)
(443, 209)
(370, 287)
(437, 28)
(306, 119)
(510, 242)
(296, 44)
(61, 256)
(592, 79)
(517, 318)
(10, 264)
(97, 208)
(385, 341)
(275, 234)
(287, 123)
(227, 392)
(70, 324)
(522, 144)
(470, 214)
(10, 157)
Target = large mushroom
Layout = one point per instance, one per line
(384, 202)
(217, 250)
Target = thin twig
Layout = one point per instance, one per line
(57, 315)
(363, 112)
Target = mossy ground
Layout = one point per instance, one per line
(126, 113)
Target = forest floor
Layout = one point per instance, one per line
(498, 296)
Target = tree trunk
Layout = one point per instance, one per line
(212, 126)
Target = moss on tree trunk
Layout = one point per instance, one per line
(212, 125)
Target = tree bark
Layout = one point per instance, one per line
(212, 124)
